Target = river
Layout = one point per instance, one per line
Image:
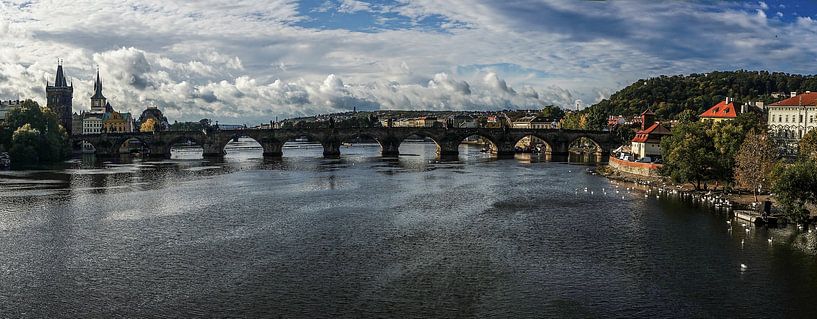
(363, 236)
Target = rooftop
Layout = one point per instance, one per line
(808, 98)
(723, 109)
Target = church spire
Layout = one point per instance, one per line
(60, 80)
(98, 87)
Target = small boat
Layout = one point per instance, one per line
(5, 160)
(347, 144)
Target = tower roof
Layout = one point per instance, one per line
(98, 87)
(60, 80)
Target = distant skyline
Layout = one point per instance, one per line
(248, 61)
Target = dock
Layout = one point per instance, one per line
(755, 217)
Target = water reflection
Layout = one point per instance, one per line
(303, 236)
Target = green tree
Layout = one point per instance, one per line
(552, 112)
(34, 136)
(754, 162)
(808, 145)
(727, 138)
(795, 185)
(689, 155)
(24, 146)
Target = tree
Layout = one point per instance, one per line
(34, 136)
(808, 145)
(754, 162)
(727, 138)
(552, 112)
(24, 146)
(689, 155)
(148, 125)
(795, 185)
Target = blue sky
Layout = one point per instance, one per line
(250, 60)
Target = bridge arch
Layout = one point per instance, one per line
(86, 146)
(173, 141)
(527, 144)
(116, 146)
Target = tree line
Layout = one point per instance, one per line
(32, 135)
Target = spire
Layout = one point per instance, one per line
(98, 87)
(60, 81)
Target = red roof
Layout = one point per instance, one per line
(802, 99)
(721, 110)
(652, 133)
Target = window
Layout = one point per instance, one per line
(801, 118)
(780, 118)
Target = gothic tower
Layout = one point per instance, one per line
(98, 101)
(59, 98)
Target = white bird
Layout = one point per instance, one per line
(743, 267)
(747, 230)
(770, 240)
(729, 222)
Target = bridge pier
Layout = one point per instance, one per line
(390, 147)
(272, 148)
(331, 149)
(448, 151)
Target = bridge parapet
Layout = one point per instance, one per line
(272, 140)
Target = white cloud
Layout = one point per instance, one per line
(252, 60)
(352, 6)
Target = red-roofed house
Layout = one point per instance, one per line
(791, 118)
(725, 110)
(647, 142)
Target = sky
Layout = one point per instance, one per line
(248, 62)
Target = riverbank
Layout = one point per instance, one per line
(732, 199)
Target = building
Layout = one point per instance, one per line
(115, 122)
(463, 121)
(723, 111)
(99, 104)
(6, 107)
(91, 123)
(535, 122)
(647, 142)
(102, 118)
(153, 114)
(791, 118)
(59, 99)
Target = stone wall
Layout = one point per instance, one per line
(643, 169)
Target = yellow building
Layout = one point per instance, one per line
(115, 122)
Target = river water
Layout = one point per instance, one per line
(363, 236)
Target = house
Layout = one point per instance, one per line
(535, 122)
(647, 142)
(791, 118)
(463, 121)
(723, 111)
(7, 106)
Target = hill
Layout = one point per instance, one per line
(670, 95)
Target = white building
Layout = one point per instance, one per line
(7, 106)
(791, 118)
(535, 122)
(91, 123)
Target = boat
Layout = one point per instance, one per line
(301, 139)
(347, 144)
(5, 160)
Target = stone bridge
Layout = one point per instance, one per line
(389, 138)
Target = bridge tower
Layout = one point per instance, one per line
(60, 98)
